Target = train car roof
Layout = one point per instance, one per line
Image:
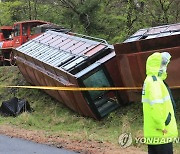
(65, 51)
(6, 27)
(155, 32)
(32, 21)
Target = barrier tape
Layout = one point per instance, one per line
(79, 88)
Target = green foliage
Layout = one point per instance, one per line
(6, 11)
(49, 13)
(113, 20)
(82, 16)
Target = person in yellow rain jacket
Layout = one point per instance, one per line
(160, 128)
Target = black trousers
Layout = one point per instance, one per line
(160, 149)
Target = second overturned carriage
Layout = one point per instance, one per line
(132, 55)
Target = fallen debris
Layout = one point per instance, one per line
(14, 107)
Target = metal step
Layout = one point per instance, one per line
(100, 102)
(106, 107)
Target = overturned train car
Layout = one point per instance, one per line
(132, 55)
(72, 60)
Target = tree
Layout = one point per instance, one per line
(163, 11)
(10, 11)
(79, 14)
(113, 20)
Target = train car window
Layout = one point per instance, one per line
(98, 79)
(7, 34)
(24, 29)
(17, 30)
(34, 30)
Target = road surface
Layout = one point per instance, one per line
(10, 145)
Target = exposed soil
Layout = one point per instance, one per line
(84, 147)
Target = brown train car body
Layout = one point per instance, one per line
(132, 55)
(71, 60)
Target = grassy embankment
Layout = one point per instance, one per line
(55, 118)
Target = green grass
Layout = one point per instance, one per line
(54, 118)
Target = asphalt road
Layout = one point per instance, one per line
(10, 145)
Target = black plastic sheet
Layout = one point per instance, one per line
(14, 107)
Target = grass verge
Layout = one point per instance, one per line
(54, 118)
